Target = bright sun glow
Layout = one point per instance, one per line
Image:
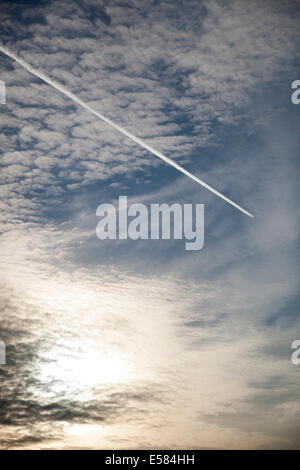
(63, 370)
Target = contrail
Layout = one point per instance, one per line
(135, 139)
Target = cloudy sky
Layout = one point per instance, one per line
(142, 344)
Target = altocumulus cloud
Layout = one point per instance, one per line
(106, 344)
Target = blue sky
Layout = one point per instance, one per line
(205, 337)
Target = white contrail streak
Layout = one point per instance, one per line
(73, 97)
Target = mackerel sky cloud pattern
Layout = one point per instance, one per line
(141, 344)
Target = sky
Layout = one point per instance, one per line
(131, 344)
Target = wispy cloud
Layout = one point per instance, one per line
(208, 84)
